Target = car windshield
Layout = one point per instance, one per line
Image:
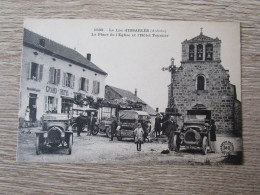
(195, 118)
(128, 115)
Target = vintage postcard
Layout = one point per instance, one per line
(130, 92)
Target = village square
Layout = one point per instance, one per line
(68, 113)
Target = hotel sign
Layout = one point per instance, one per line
(55, 90)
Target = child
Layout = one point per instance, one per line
(138, 132)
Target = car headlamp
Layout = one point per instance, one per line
(70, 128)
(197, 137)
(45, 135)
(62, 134)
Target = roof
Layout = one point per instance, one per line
(130, 96)
(55, 49)
(201, 38)
(130, 114)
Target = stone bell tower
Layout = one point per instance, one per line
(202, 84)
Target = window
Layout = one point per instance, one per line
(66, 105)
(68, 80)
(107, 112)
(51, 104)
(54, 76)
(201, 83)
(191, 52)
(199, 52)
(96, 86)
(83, 84)
(209, 52)
(34, 71)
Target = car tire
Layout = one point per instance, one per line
(176, 145)
(70, 145)
(37, 145)
(205, 145)
(108, 132)
(74, 127)
(95, 131)
(119, 138)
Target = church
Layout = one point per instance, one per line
(201, 85)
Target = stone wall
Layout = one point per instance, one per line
(218, 95)
(237, 118)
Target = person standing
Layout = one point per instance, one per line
(80, 123)
(157, 125)
(91, 122)
(139, 132)
(114, 125)
(170, 132)
(33, 111)
(27, 117)
(212, 136)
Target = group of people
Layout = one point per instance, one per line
(83, 121)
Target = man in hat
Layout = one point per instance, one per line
(114, 125)
(157, 125)
(80, 123)
(170, 132)
(91, 122)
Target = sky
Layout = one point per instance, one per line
(135, 61)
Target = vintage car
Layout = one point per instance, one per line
(86, 113)
(128, 120)
(55, 131)
(194, 134)
(104, 126)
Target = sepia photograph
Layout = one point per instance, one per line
(143, 92)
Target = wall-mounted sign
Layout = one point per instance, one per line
(33, 89)
(64, 92)
(51, 89)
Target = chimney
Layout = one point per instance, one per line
(157, 110)
(135, 92)
(88, 56)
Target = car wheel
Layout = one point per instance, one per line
(205, 145)
(95, 131)
(70, 145)
(37, 145)
(176, 145)
(74, 127)
(108, 132)
(119, 138)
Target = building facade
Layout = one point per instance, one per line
(201, 83)
(51, 76)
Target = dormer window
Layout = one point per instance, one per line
(209, 51)
(199, 52)
(191, 52)
(42, 42)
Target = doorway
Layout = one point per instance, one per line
(32, 106)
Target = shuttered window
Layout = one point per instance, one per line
(83, 84)
(96, 87)
(68, 80)
(54, 76)
(34, 71)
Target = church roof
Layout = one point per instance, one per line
(55, 49)
(201, 38)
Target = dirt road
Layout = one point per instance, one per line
(99, 149)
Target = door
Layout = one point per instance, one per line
(32, 106)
